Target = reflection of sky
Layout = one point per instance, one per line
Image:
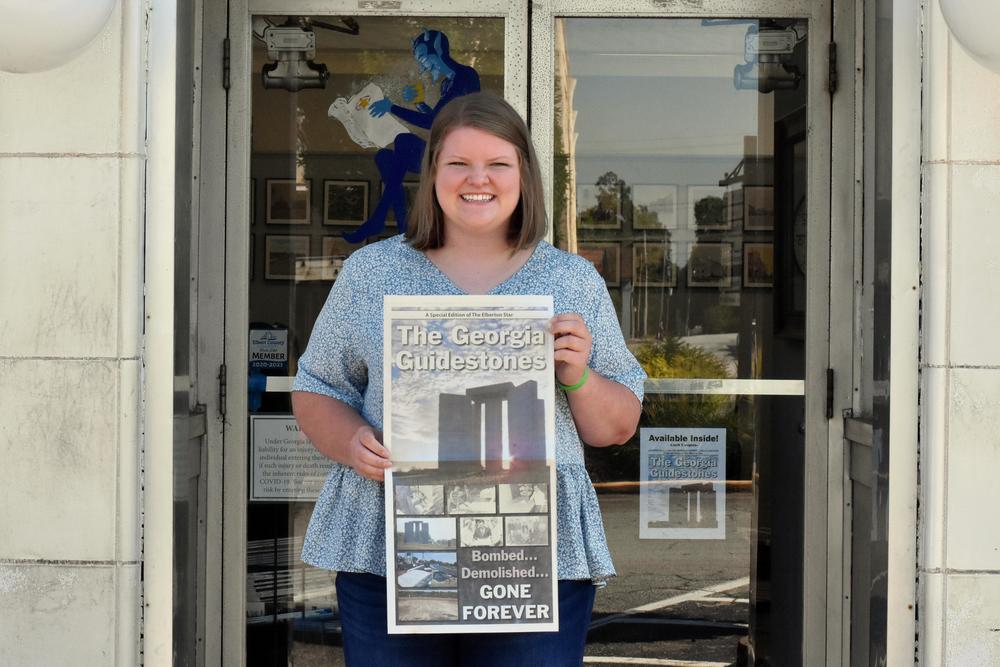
(683, 117)
(658, 87)
(415, 393)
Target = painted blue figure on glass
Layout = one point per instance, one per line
(430, 50)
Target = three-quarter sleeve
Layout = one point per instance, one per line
(333, 364)
(609, 355)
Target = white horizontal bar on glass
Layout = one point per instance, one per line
(729, 387)
(283, 384)
(279, 383)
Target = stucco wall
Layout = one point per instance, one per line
(71, 169)
(960, 360)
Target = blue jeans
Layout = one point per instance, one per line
(367, 642)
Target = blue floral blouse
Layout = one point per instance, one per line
(347, 529)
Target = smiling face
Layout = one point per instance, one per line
(477, 182)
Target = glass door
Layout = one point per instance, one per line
(687, 155)
(687, 163)
(329, 109)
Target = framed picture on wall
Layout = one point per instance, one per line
(598, 207)
(606, 258)
(335, 246)
(654, 206)
(280, 254)
(758, 208)
(317, 269)
(345, 202)
(653, 265)
(288, 202)
(758, 264)
(710, 265)
(706, 208)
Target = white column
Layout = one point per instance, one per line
(71, 175)
(959, 558)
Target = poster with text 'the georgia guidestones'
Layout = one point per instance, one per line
(470, 498)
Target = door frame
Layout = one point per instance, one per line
(223, 304)
(232, 597)
(830, 249)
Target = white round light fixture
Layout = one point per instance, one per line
(37, 35)
(976, 26)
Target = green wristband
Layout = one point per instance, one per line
(574, 387)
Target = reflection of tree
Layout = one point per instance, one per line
(709, 212)
(561, 171)
(673, 358)
(612, 195)
(643, 217)
(614, 201)
(564, 143)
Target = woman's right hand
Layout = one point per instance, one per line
(341, 434)
(367, 455)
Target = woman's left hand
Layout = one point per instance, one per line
(572, 347)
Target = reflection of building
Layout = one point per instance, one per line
(564, 226)
(473, 427)
(416, 532)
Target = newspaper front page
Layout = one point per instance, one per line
(683, 495)
(470, 498)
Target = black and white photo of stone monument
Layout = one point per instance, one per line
(426, 533)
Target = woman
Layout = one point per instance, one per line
(477, 228)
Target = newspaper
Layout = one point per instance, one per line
(683, 491)
(470, 498)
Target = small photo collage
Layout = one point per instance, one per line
(433, 520)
